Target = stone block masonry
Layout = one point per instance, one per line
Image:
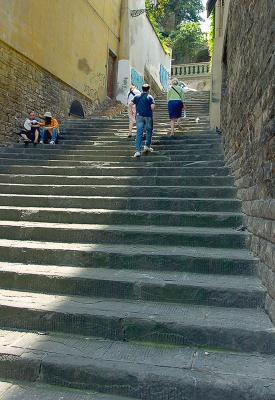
(24, 86)
(248, 125)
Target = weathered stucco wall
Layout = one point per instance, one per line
(52, 53)
(68, 38)
(146, 57)
(25, 86)
(248, 125)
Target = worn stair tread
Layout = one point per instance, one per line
(127, 228)
(115, 180)
(132, 250)
(61, 196)
(30, 210)
(245, 283)
(100, 167)
(134, 217)
(141, 369)
(253, 320)
(141, 187)
(33, 210)
(11, 390)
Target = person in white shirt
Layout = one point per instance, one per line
(30, 131)
(132, 108)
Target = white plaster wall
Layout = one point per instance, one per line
(145, 48)
(145, 52)
(123, 80)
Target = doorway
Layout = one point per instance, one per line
(111, 74)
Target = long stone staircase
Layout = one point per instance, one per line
(124, 278)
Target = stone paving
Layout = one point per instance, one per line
(127, 279)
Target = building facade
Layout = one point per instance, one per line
(143, 57)
(58, 53)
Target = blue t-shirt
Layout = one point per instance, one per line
(143, 104)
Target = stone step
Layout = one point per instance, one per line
(152, 161)
(191, 121)
(118, 153)
(138, 370)
(163, 117)
(101, 169)
(122, 203)
(213, 192)
(116, 141)
(208, 135)
(161, 129)
(11, 390)
(196, 148)
(177, 287)
(75, 144)
(159, 118)
(200, 260)
(112, 217)
(169, 157)
(177, 142)
(129, 320)
(60, 152)
(118, 180)
(126, 234)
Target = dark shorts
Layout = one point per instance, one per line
(30, 134)
(175, 109)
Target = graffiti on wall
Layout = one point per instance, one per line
(163, 76)
(136, 79)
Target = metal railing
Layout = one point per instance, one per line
(194, 69)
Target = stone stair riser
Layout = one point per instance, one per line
(74, 235)
(128, 380)
(105, 170)
(137, 329)
(132, 290)
(130, 181)
(133, 204)
(110, 217)
(123, 191)
(99, 259)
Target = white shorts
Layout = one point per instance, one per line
(132, 113)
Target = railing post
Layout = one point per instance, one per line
(196, 69)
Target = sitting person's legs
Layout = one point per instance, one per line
(43, 135)
(48, 134)
(53, 133)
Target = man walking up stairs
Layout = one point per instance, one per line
(127, 277)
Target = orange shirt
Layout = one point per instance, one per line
(53, 124)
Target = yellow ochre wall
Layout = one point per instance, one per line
(68, 38)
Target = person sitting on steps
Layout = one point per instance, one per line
(30, 132)
(145, 105)
(50, 128)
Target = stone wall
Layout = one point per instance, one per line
(24, 87)
(248, 125)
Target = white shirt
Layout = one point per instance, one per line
(28, 123)
(134, 93)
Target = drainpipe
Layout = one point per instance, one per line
(124, 72)
(218, 19)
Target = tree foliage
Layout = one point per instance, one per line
(211, 35)
(153, 14)
(183, 10)
(187, 41)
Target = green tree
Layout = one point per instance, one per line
(159, 11)
(153, 14)
(187, 41)
(182, 10)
